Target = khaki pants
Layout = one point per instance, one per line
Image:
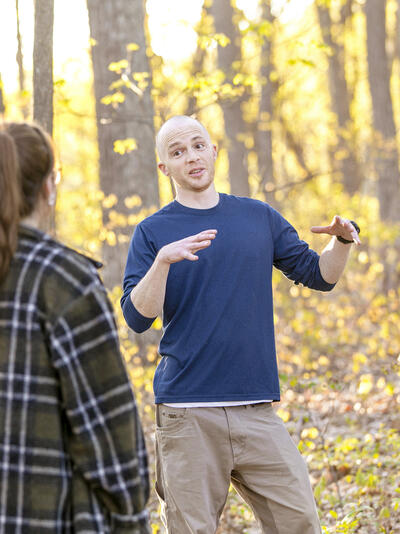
(201, 451)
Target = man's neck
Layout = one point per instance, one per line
(199, 200)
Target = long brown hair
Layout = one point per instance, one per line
(26, 159)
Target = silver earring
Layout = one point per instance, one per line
(52, 199)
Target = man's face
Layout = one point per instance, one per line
(188, 156)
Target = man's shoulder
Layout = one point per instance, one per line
(158, 217)
(167, 222)
(247, 203)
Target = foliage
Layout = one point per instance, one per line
(339, 353)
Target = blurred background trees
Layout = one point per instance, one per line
(42, 64)
(302, 99)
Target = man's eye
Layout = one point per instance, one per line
(177, 153)
(200, 145)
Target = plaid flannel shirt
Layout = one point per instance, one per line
(72, 454)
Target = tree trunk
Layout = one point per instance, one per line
(397, 33)
(266, 113)
(113, 26)
(20, 62)
(198, 60)
(43, 64)
(347, 163)
(235, 126)
(2, 103)
(386, 154)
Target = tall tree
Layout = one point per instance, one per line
(2, 103)
(20, 61)
(43, 64)
(396, 46)
(199, 56)
(347, 163)
(118, 37)
(385, 147)
(266, 111)
(235, 126)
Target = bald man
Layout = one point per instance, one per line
(204, 262)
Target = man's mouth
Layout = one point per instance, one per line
(197, 172)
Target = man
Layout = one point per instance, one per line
(204, 262)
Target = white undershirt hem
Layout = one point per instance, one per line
(212, 404)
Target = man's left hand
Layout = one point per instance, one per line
(339, 227)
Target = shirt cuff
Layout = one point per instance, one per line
(138, 322)
(321, 285)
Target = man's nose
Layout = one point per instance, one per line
(192, 155)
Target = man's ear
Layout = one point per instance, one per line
(215, 152)
(163, 169)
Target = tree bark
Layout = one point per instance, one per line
(397, 33)
(235, 126)
(2, 102)
(20, 62)
(266, 112)
(113, 26)
(385, 148)
(198, 60)
(347, 163)
(43, 64)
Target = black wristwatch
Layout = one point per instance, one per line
(346, 241)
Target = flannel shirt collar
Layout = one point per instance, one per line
(37, 235)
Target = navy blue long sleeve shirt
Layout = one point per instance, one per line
(218, 331)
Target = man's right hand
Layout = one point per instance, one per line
(185, 249)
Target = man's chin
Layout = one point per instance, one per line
(201, 187)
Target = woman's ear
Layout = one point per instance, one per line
(50, 189)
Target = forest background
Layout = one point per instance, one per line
(302, 99)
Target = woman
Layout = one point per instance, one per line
(72, 456)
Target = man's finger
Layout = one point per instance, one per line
(189, 256)
(207, 235)
(201, 236)
(321, 229)
(354, 235)
(199, 246)
(210, 231)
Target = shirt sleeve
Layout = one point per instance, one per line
(294, 257)
(141, 255)
(104, 435)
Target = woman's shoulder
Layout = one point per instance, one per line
(57, 273)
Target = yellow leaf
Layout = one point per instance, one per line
(115, 98)
(110, 201)
(133, 201)
(222, 39)
(122, 146)
(283, 414)
(310, 433)
(365, 384)
(111, 239)
(157, 325)
(118, 66)
(131, 47)
(323, 360)
(389, 390)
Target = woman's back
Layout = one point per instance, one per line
(72, 455)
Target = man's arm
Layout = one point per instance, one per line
(149, 294)
(333, 258)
